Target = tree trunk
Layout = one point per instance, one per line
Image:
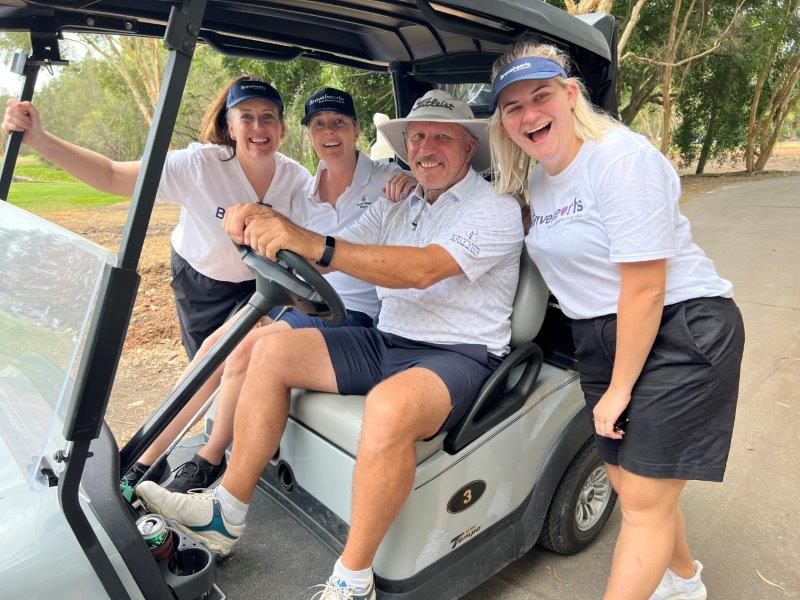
(666, 78)
(639, 98)
(708, 142)
(752, 121)
(629, 26)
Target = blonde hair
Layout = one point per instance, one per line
(214, 124)
(509, 162)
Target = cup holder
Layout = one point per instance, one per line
(191, 572)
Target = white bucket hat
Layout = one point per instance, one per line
(439, 106)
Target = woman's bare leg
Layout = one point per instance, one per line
(228, 396)
(648, 535)
(189, 411)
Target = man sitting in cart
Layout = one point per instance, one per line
(446, 256)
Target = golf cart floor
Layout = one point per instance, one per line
(277, 558)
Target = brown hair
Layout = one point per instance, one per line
(214, 125)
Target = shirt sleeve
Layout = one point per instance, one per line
(638, 203)
(367, 228)
(178, 178)
(485, 233)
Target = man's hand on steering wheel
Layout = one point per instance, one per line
(270, 232)
(237, 216)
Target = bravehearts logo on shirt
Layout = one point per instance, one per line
(560, 215)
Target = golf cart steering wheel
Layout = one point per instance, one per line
(279, 284)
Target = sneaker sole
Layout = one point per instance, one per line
(701, 596)
(216, 543)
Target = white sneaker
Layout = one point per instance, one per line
(196, 514)
(675, 587)
(336, 589)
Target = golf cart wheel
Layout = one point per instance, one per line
(581, 505)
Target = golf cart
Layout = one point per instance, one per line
(519, 468)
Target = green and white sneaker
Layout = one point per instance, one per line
(337, 589)
(196, 514)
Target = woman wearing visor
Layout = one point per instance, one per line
(235, 160)
(658, 338)
(347, 182)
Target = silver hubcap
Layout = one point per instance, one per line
(593, 499)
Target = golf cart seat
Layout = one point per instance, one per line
(337, 418)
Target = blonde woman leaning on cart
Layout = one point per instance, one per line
(658, 338)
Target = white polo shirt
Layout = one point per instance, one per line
(319, 216)
(483, 232)
(205, 184)
(616, 202)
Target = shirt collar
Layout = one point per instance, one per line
(361, 176)
(459, 191)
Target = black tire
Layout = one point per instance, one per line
(562, 532)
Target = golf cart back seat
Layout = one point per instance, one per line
(338, 418)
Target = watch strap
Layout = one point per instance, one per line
(327, 253)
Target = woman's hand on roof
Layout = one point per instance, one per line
(399, 186)
(22, 116)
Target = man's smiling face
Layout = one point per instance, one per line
(438, 153)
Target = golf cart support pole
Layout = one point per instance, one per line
(256, 308)
(118, 292)
(45, 52)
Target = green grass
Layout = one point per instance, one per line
(52, 189)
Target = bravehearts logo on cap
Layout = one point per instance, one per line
(514, 69)
(252, 86)
(327, 98)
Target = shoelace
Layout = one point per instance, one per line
(332, 592)
(187, 471)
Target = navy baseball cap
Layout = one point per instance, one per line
(250, 88)
(329, 98)
(527, 67)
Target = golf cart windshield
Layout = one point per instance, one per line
(48, 290)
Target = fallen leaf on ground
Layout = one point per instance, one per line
(767, 581)
(749, 447)
(558, 577)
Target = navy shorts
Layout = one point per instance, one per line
(297, 320)
(362, 357)
(203, 303)
(683, 405)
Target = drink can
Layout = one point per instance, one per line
(157, 536)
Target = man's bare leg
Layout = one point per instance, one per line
(287, 359)
(407, 407)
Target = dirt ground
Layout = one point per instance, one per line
(153, 357)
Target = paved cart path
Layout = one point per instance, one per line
(751, 521)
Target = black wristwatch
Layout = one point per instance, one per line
(327, 254)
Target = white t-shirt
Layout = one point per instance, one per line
(483, 232)
(617, 201)
(368, 181)
(205, 185)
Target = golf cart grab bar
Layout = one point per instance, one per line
(493, 404)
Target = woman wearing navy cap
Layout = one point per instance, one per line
(658, 338)
(346, 184)
(236, 160)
